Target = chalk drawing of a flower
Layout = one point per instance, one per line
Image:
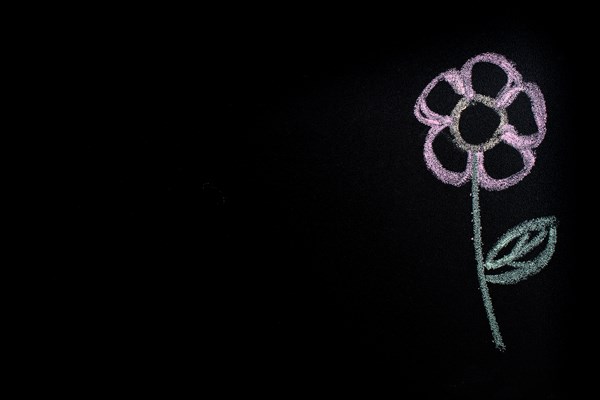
(526, 237)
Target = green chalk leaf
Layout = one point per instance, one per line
(526, 237)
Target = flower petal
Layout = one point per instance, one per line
(424, 113)
(514, 78)
(538, 108)
(451, 156)
(503, 160)
(489, 183)
(434, 164)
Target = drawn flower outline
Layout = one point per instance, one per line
(520, 240)
(461, 82)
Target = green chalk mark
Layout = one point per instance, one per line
(485, 293)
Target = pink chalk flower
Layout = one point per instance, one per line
(518, 263)
(460, 81)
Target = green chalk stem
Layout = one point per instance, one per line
(485, 293)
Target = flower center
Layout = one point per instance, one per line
(477, 124)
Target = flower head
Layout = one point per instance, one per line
(460, 81)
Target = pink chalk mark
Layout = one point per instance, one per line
(424, 113)
(538, 108)
(435, 166)
(514, 78)
(489, 183)
(461, 83)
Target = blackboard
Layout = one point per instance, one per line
(265, 219)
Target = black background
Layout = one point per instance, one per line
(250, 208)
